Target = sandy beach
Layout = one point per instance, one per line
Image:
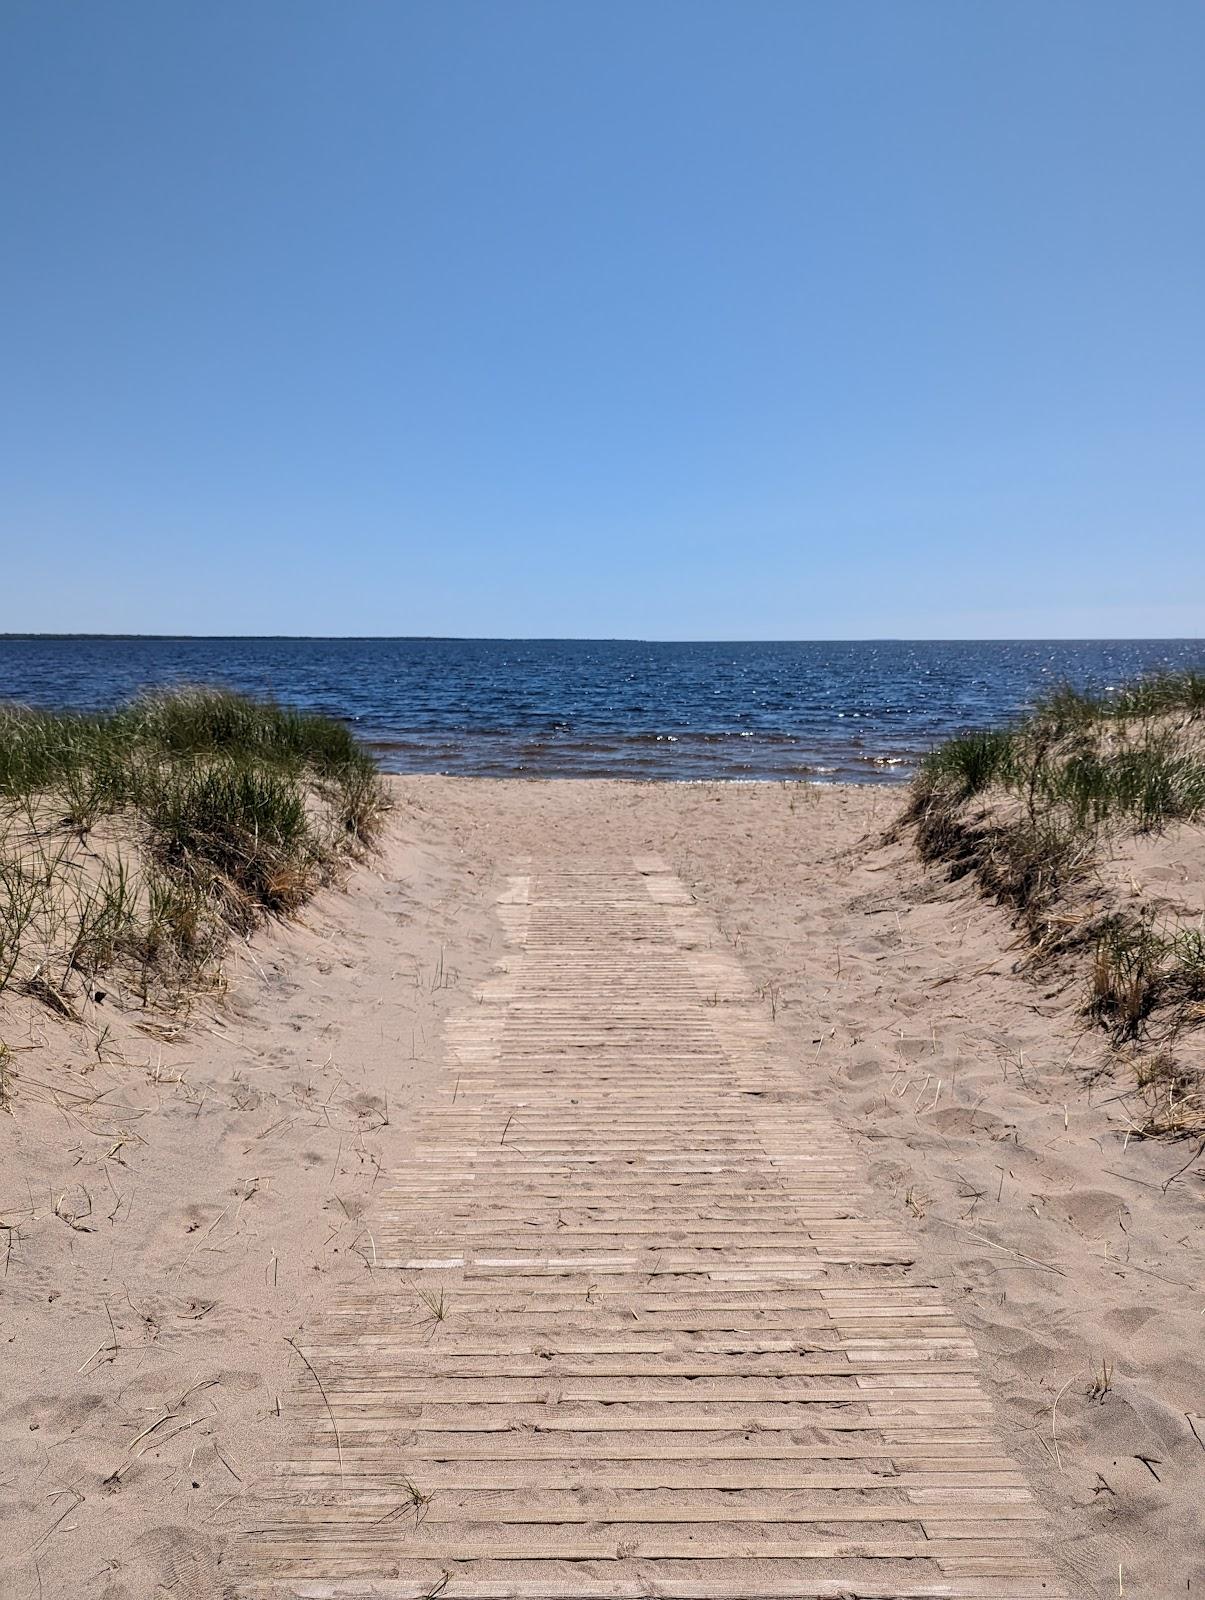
(602, 802)
(183, 1206)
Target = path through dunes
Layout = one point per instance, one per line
(633, 1327)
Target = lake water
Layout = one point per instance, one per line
(615, 708)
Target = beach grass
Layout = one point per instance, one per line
(1130, 755)
(1032, 812)
(134, 842)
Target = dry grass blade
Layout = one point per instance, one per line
(325, 1400)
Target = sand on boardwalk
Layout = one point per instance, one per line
(176, 1206)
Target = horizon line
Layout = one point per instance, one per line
(504, 638)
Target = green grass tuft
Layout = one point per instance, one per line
(1125, 758)
(135, 840)
(238, 826)
(971, 762)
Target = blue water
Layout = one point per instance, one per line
(617, 708)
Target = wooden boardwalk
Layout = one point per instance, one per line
(636, 1327)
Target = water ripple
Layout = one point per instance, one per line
(608, 708)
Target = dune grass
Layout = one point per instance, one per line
(1128, 755)
(132, 843)
(1029, 809)
(1077, 764)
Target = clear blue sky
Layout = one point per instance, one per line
(661, 318)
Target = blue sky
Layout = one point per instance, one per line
(659, 318)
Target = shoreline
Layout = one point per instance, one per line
(563, 777)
